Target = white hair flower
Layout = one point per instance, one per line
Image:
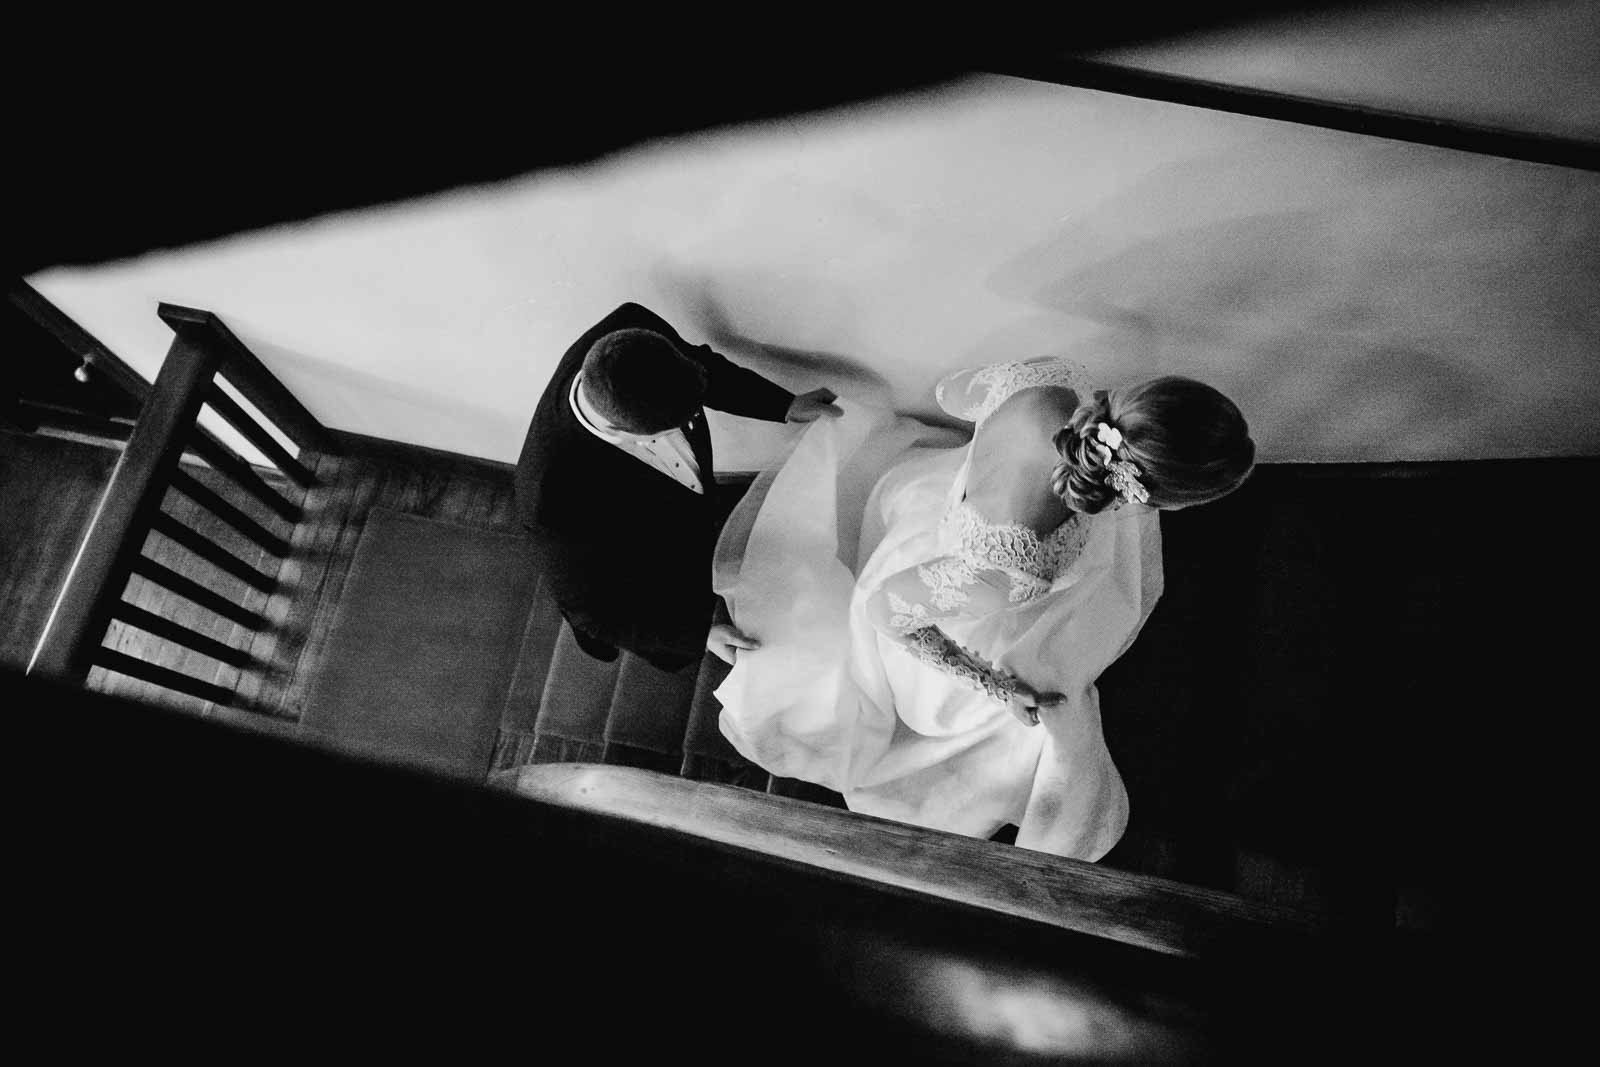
(1108, 435)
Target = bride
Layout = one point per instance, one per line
(918, 622)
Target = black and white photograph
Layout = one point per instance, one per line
(969, 537)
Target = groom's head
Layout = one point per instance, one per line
(641, 383)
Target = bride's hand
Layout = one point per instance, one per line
(1027, 703)
(725, 640)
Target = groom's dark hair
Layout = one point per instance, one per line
(641, 382)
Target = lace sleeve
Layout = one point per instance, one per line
(933, 647)
(974, 394)
(908, 607)
(946, 589)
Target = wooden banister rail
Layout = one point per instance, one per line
(131, 509)
(1151, 913)
(767, 951)
(75, 339)
(1462, 136)
(258, 385)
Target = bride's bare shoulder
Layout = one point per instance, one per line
(1013, 455)
(1041, 405)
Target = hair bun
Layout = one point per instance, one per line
(1172, 442)
(1081, 477)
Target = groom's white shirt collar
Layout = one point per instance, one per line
(668, 452)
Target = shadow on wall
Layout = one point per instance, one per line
(342, 398)
(706, 316)
(1402, 308)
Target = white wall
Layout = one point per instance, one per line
(1362, 300)
(1528, 65)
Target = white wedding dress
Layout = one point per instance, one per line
(829, 699)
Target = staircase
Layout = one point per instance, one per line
(564, 706)
(1300, 723)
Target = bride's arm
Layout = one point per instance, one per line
(908, 607)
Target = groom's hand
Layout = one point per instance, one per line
(725, 640)
(817, 404)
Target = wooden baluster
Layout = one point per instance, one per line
(166, 678)
(243, 475)
(257, 435)
(179, 634)
(211, 552)
(219, 506)
(196, 593)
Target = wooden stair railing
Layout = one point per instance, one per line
(1135, 909)
(114, 549)
(94, 357)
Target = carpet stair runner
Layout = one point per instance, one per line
(565, 706)
(1306, 616)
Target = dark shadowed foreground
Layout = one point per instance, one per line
(181, 880)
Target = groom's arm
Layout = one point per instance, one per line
(729, 387)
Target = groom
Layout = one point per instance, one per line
(616, 484)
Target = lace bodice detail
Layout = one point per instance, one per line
(991, 567)
(1031, 562)
(975, 394)
(987, 567)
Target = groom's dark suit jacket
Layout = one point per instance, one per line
(626, 550)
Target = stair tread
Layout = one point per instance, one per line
(576, 699)
(646, 759)
(512, 749)
(548, 748)
(650, 707)
(539, 637)
(703, 737)
(721, 772)
(795, 789)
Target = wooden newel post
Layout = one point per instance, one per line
(122, 519)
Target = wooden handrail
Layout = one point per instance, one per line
(75, 339)
(1152, 913)
(1455, 134)
(638, 907)
(94, 584)
(1465, 470)
(247, 373)
(81, 343)
(131, 506)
